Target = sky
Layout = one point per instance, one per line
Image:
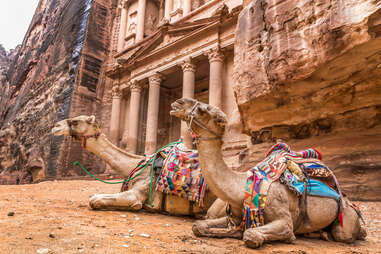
(15, 17)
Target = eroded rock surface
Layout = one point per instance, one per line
(309, 72)
(53, 75)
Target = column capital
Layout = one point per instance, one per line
(156, 79)
(135, 87)
(188, 66)
(123, 4)
(215, 55)
(116, 92)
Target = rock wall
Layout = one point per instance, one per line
(309, 73)
(53, 76)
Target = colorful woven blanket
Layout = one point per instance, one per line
(280, 162)
(181, 176)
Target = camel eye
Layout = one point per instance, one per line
(75, 123)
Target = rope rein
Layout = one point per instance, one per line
(150, 162)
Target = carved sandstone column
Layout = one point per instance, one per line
(153, 113)
(216, 61)
(189, 70)
(132, 140)
(167, 10)
(187, 7)
(115, 114)
(141, 20)
(123, 26)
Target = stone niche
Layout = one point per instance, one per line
(132, 17)
(150, 24)
(151, 17)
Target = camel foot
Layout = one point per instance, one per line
(253, 239)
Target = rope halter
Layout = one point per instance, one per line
(82, 138)
(193, 120)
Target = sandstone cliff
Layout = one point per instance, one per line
(53, 76)
(309, 72)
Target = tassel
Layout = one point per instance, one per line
(341, 219)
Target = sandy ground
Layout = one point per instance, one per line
(55, 216)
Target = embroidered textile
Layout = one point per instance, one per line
(280, 162)
(314, 187)
(181, 176)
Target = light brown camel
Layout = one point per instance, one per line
(283, 218)
(86, 130)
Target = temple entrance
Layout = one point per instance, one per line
(169, 128)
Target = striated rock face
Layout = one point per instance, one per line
(309, 72)
(53, 76)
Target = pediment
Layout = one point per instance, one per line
(170, 33)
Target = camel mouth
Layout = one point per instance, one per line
(176, 109)
(57, 131)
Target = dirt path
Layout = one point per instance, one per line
(55, 215)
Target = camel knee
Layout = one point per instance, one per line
(351, 229)
(362, 235)
(199, 228)
(252, 238)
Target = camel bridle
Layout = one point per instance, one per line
(201, 125)
(82, 138)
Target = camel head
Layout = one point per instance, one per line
(205, 120)
(80, 126)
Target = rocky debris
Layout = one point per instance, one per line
(145, 235)
(308, 72)
(43, 251)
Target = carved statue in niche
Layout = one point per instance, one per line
(151, 23)
(132, 23)
(197, 3)
(132, 28)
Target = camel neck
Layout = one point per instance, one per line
(225, 183)
(120, 161)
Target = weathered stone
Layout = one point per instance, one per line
(54, 74)
(308, 72)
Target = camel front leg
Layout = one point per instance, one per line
(278, 230)
(278, 217)
(128, 200)
(217, 210)
(218, 228)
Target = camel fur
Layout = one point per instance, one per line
(85, 129)
(283, 217)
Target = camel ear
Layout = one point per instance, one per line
(91, 119)
(220, 120)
